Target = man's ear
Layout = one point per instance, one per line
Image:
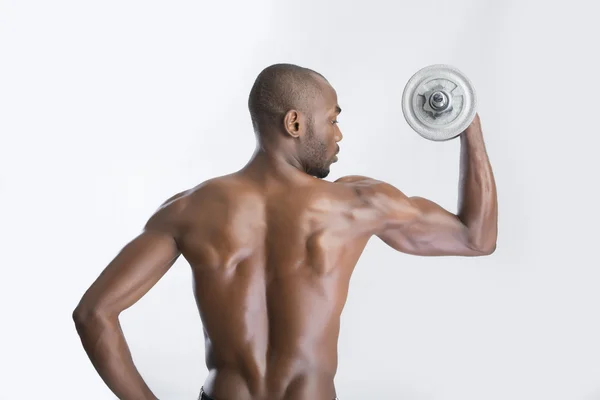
(292, 123)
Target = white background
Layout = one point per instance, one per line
(109, 108)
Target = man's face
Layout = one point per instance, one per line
(319, 147)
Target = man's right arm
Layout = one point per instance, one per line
(418, 226)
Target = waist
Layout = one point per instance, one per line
(278, 384)
(259, 362)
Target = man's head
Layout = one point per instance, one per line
(295, 109)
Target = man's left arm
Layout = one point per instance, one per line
(132, 273)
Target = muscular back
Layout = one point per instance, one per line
(271, 257)
(271, 266)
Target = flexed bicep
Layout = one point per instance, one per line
(427, 229)
(412, 225)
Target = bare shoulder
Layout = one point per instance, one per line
(214, 188)
(174, 211)
(382, 201)
(165, 219)
(349, 179)
(369, 188)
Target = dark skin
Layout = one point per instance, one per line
(272, 248)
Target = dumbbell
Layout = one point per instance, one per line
(439, 102)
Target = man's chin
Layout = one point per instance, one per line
(320, 173)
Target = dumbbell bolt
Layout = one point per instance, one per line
(439, 100)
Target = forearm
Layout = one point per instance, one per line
(107, 349)
(477, 202)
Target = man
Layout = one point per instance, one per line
(272, 247)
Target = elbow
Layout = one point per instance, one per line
(80, 316)
(486, 250)
(85, 316)
(481, 248)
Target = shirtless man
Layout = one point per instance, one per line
(272, 248)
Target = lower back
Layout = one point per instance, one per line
(275, 340)
(231, 383)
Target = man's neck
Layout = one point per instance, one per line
(276, 165)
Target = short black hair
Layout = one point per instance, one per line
(280, 88)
